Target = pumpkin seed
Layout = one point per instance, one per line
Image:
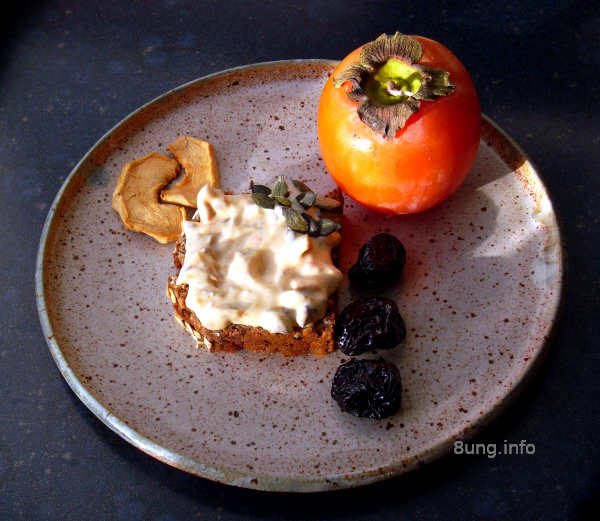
(280, 188)
(328, 226)
(283, 201)
(260, 189)
(313, 225)
(263, 200)
(300, 186)
(306, 199)
(295, 221)
(327, 203)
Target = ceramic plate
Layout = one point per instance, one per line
(479, 295)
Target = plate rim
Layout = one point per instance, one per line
(284, 483)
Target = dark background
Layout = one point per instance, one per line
(71, 70)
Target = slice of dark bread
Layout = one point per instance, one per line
(316, 339)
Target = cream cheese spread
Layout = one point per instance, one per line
(243, 265)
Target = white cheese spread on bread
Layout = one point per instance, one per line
(243, 265)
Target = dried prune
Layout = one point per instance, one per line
(367, 388)
(369, 323)
(380, 261)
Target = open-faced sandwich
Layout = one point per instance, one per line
(256, 270)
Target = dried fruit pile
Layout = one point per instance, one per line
(366, 387)
(150, 199)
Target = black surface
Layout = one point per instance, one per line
(70, 70)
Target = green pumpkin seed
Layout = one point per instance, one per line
(306, 199)
(263, 200)
(314, 227)
(295, 221)
(328, 226)
(283, 201)
(260, 189)
(298, 221)
(280, 188)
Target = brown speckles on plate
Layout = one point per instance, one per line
(480, 292)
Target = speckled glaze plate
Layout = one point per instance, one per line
(479, 295)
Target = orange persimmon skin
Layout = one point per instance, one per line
(424, 163)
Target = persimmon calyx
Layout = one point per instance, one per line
(389, 83)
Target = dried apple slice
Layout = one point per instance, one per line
(136, 197)
(200, 167)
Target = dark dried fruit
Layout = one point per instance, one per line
(369, 323)
(380, 261)
(367, 388)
